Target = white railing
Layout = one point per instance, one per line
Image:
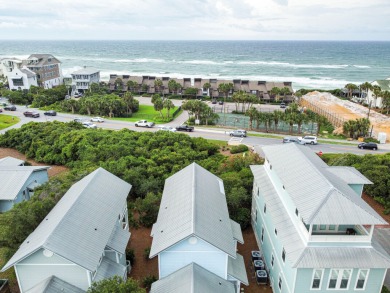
(128, 266)
(339, 238)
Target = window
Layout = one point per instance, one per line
(258, 191)
(296, 212)
(283, 255)
(332, 227)
(339, 279)
(280, 283)
(322, 227)
(272, 260)
(276, 232)
(262, 234)
(361, 280)
(265, 208)
(317, 276)
(256, 216)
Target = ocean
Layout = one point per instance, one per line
(308, 64)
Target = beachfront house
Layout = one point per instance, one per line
(19, 77)
(312, 226)
(82, 240)
(17, 182)
(83, 78)
(47, 68)
(377, 101)
(193, 226)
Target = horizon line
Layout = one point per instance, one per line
(195, 40)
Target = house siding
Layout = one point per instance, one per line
(38, 267)
(184, 253)
(373, 282)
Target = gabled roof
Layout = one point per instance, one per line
(315, 191)
(384, 84)
(237, 233)
(79, 227)
(11, 161)
(86, 70)
(236, 269)
(12, 179)
(54, 285)
(349, 175)
(192, 279)
(193, 203)
(28, 72)
(108, 269)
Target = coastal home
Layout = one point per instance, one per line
(17, 183)
(83, 78)
(312, 226)
(193, 226)
(82, 240)
(372, 98)
(47, 68)
(19, 77)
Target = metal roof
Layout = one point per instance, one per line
(108, 269)
(314, 190)
(342, 257)
(79, 227)
(85, 70)
(380, 241)
(54, 285)
(193, 203)
(119, 239)
(11, 161)
(349, 175)
(287, 233)
(236, 269)
(192, 279)
(28, 72)
(12, 179)
(237, 233)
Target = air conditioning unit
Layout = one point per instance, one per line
(256, 255)
(258, 264)
(261, 277)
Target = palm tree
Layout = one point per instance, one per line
(377, 92)
(300, 119)
(321, 120)
(129, 100)
(278, 115)
(252, 113)
(159, 106)
(207, 87)
(366, 86)
(118, 83)
(225, 88)
(285, 91)
(158, 84)
(168, 104)
(386, 101)
(275, 91)
(362, 126)
(349, 128)
(350, 87)
(291, 118)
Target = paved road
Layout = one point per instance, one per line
(208, 133)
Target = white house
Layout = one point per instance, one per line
(82, 240)
(312, 226)
(47, 68)
(17, 183)
(83, 78)
(193, 226)
(374, 100)
(19, 77)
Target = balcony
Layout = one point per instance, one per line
(342, 233)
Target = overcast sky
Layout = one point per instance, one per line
(195, 19)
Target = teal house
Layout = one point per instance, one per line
(312, 226)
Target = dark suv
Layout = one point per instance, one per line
(10, 108)
(368, 145)
(31, 114)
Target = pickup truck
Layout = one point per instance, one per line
(185, 127)
(144, 123)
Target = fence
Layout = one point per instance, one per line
(335, 119)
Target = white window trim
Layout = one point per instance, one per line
(339, 278)
(365, 281)
(312, 279)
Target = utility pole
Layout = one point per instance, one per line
(369, 109)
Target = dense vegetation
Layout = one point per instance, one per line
(144, 159)
(374, 167)
(116, 284)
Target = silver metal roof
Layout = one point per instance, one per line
(381, 241)
(119, 239)
(193, 203)
(108, 269)
(342, 257)
(192, 279)
(54, 285)
(12, 179)
(85, 70)
(237, 233)
(287, 233)
(349, 175)
(236, 269)
(79, 227)
(11, 161)
(309, 184)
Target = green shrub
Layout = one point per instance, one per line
(371, 139)
(238, 149)
(148, 281)
(146, 253)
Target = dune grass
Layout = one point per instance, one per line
(146, 112)
(7, 121)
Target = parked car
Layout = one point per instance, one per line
(282, 105)
(290, 139)
(79, 120)
(167, 128)
(144, 123)
(308, 140)
(88, 124)
(97, 119)
(238, 133)
(1, 110)
(220, 102)
(50, 113)
(10, 107)
(213, 101)
(185, 127)
(368, 145)
(32, 114)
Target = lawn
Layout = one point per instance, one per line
(148, 113)
(7, 121)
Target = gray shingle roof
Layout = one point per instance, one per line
(316, 192)
(108, 269)
(192, 279)
(287, 234)
(79, 227)
(237, 233)
(12, 179)
(349, 175)
(193, 203)
(119, 239)
(11, 161)
(236, 269)
(54, 285)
